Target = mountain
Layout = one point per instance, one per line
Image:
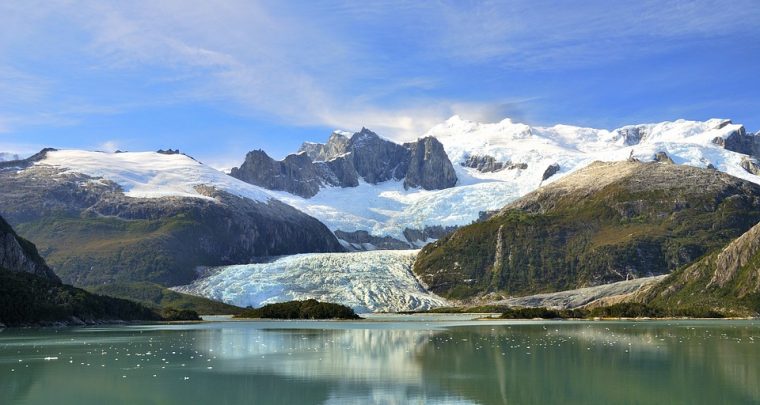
(604, 223)
(365, 281)
(726, 281)
(343, 161)
(31, 294)
(493, 164)
(100, 218)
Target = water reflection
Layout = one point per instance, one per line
(409, 362)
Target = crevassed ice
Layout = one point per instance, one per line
(374, 281)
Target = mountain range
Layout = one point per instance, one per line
(499, 210)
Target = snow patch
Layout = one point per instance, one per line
(151, 174)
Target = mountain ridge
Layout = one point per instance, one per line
(604, 223)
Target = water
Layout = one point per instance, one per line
(388, 361)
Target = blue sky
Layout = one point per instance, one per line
(217, 79)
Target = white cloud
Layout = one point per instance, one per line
(299, 65)
(108, 146)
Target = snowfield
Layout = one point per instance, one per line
(377, 281)
(152, 174)
(386, 209)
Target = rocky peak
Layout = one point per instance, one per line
(295, 174)
(342, 161)
(429, 167)
(336, 145)
(377, 159)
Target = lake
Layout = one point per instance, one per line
(386, 360)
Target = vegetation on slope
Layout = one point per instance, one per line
(580, 231)
(96, 250)
(726, 281)
(308, 309)
(156, 296)
(27, 299)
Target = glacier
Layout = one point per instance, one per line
(374, 281)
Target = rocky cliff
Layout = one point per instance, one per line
(604, 223)
(342, 161)
(428, 167)
(19, 255)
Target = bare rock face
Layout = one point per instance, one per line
(489, 164)
(740, 141)
(429, 166)
(663, 157)
(750, 165)
(735, 256)
(377, 159)
(342, 161)
(336, 145)
(295, 174)
(633, 135)
(340, 171)
(550, 171)
(484, 163)
(18, 254)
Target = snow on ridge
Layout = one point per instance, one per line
(376, 281)
(152, 174)
(387, 208)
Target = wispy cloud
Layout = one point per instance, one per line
(342, 64)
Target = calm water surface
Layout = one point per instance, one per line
(390, 360)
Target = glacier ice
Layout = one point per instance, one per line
(375, 281)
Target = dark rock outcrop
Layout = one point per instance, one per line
(550, 171)
(295, 174)
(662, 157)
(489, 164)
(633, 135)
(484, 163)
(740, 141)
(429, 167)
(750, 165)
(20, 255)
(376, 159)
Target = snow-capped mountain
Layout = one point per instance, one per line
(496, 163)
(151, 174)
(366, 281)
(122, 217)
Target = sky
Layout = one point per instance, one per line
(217, 79)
